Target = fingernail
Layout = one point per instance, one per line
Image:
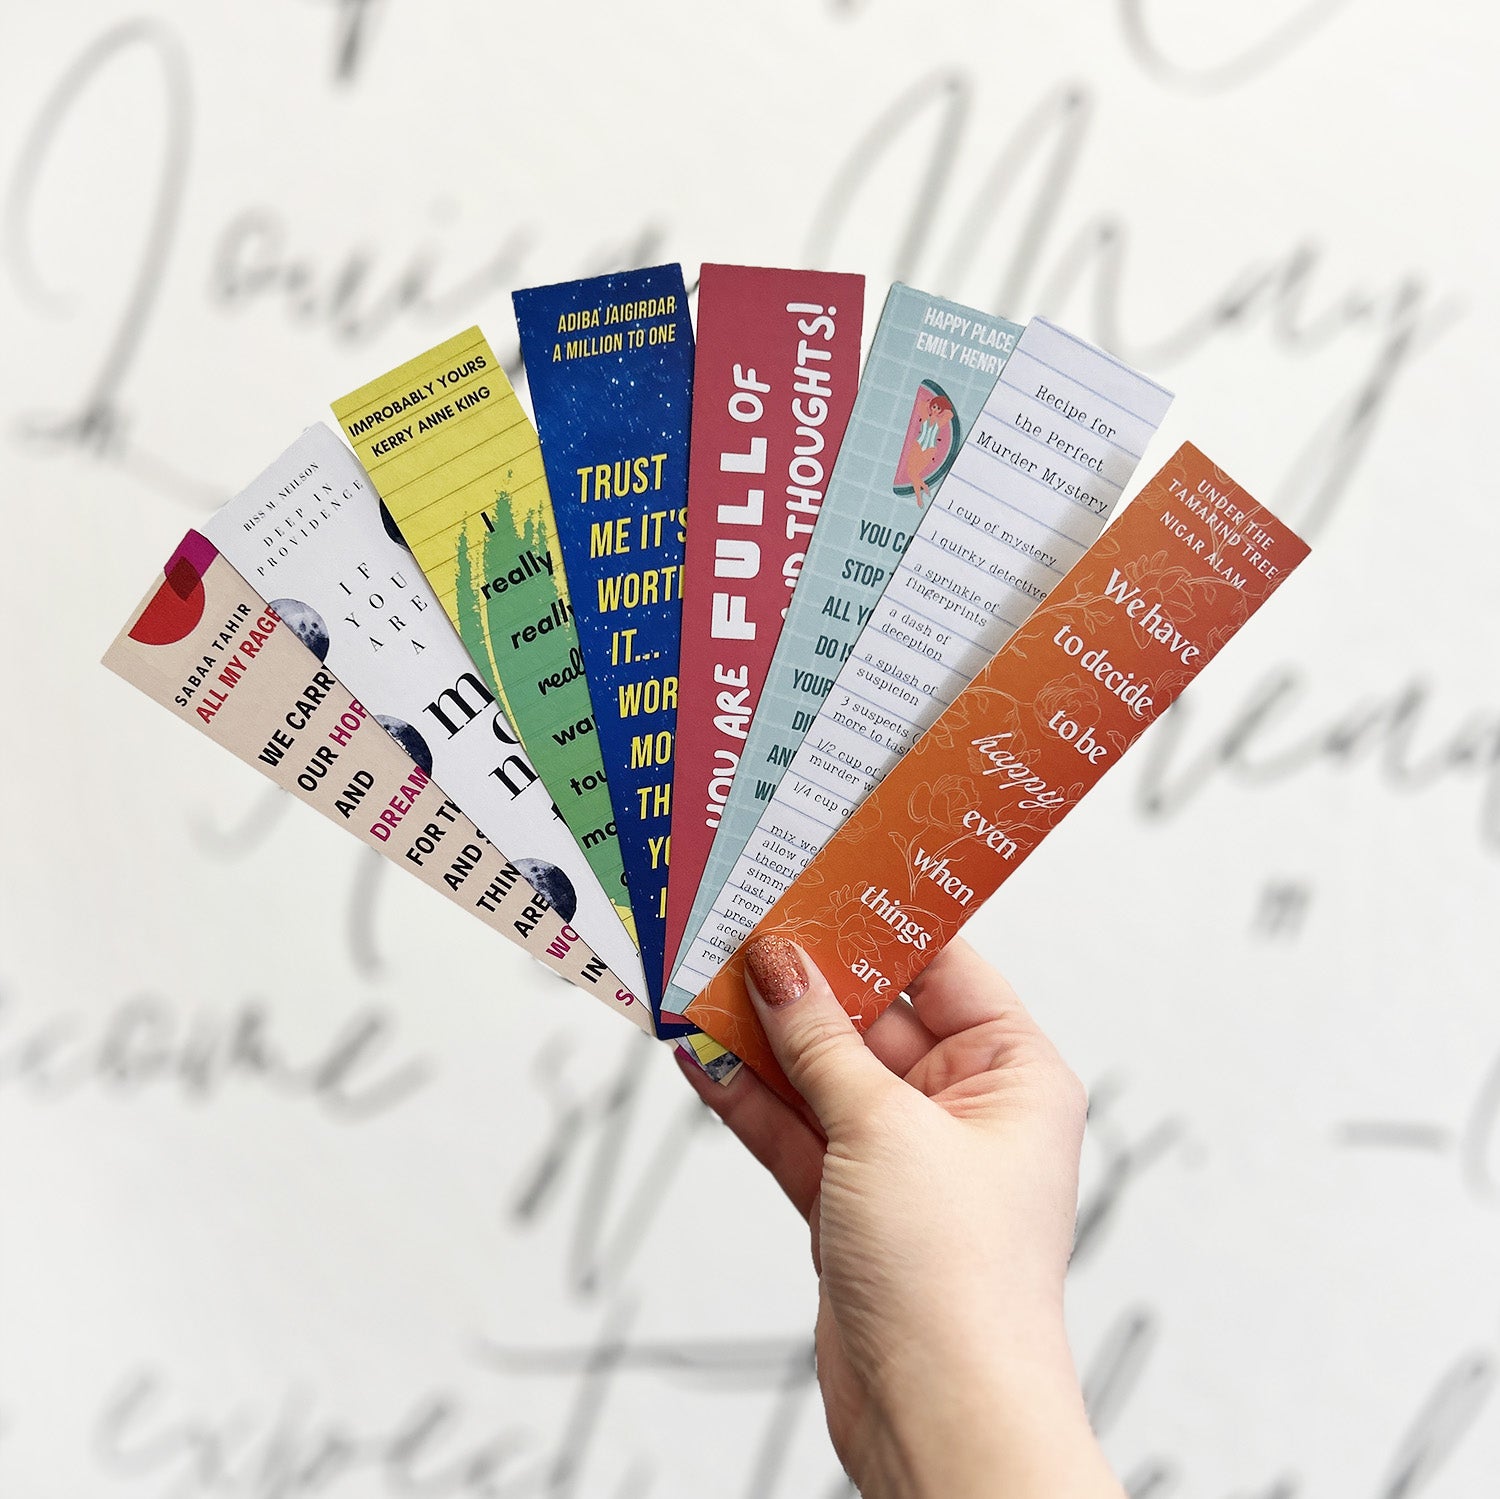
(776, 970)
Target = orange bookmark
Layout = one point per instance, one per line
(1147, 607)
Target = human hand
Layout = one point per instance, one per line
(936, 1164)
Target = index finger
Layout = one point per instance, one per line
(771, 1130)
(960, 990)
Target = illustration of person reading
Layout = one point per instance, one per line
(925, 449)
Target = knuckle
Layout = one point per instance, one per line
(817, 1058)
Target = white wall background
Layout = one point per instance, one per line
(309, 1186)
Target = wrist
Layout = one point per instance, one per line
(1013, 1425)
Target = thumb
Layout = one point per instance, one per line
(812, 1037)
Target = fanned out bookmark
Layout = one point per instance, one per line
(610, 366)
(466, 487)
(773, 384)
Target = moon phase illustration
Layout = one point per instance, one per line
(409, 740)
(551, 883)
(391, 528)
(306, 623)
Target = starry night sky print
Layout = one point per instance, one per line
(605, 409)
